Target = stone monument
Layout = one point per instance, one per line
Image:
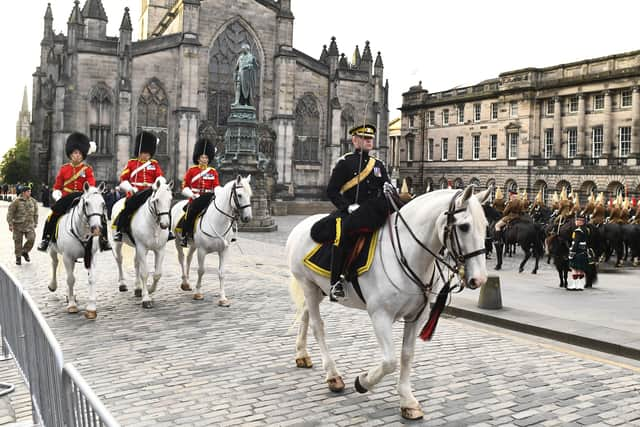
(241, 154)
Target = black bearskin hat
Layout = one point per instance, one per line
(146, 142)
(79, 141)
(204, 146)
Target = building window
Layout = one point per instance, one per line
(625, 141)
(411, 144)
(459, 148)
(596, 142)
(494, 111)
(548, 143)
(431, 118)
(444, 155)
(100, 118)
(598, 102)
(411, 119)
(551, 107)
(153, 112)
(477, 108)
(513, 146)
(475, 147)
(572, 143)
(513, 112)
(445, 117)
(625, 99)
(461, 114)
(493, 147)
(573, 104)
(430, 150)
(307, 130)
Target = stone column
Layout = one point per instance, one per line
(534, 147)
(607, 128)
(557, 127)
(580, 131)
(635, 122)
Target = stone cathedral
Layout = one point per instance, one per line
(176, 81)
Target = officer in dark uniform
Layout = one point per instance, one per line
(356, 189)
(579, 253)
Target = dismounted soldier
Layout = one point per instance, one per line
(356, 189)
(137, 178)
(22, 217)
(68, 185)
(578, 253)
(198, 185)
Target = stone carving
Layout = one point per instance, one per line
(244, 76)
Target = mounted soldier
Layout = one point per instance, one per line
(498, 202)
(616, 214)
(512, 211)
(564, 209)
(356, 189)
(598, 215)
(68, 186)
(198, 185)
(136, 180)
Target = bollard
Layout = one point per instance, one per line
(490, 296)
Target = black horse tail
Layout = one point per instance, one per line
(538, 245)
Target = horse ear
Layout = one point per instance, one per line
(468, 192)
(249, 178)
(101, 187)
(170, 185)
(156, 184)
(86, 186)
(483, 196)
(239, 179)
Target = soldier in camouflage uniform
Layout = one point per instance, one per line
(22, 218)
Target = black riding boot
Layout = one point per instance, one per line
(337, 278)
(46, 233)
(104, 241)
(187, 228)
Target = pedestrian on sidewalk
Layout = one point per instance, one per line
(22, 218)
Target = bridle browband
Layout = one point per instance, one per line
(87, 215)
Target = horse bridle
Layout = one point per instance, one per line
(87, 214)
(236, 201)
(451, 233)
(153, 208)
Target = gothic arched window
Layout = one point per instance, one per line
(153, 111)
(346, 122)
(307, 130)
(222, 60)
(100, 111)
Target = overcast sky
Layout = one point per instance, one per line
(442, 43)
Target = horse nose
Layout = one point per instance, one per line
(475, 283)
(245, 219)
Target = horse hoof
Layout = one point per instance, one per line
(497, 267)
(534, 272)
(412, 413)
(123, 288)
(224, 303)
(90, 314)
(137, 293)
(304, 362)
(72, 310)
(147, 304)
(51, 289)
(185, 287)
(336, 384)
(359, 387)
(198, 296)
(520, 270)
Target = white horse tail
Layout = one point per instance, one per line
(297, 296)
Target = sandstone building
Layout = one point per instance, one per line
(176, 81)
(571, 125)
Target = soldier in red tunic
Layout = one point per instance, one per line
(137, 178)
(68, 185)
(198, 185)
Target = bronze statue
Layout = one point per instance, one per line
(245, 75)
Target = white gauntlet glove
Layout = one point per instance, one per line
(187, 192)
(56, 195)
(127, 187)
(352, 208)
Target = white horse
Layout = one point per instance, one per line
(150, 232)
(449, 219)
(78, 236)
(213, 231)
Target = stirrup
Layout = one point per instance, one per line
(117, 236)
(184, 241)
(171, 237)
(44, 244)
(104, 244)
(337, 289)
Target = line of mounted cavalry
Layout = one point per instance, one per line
(613, 228)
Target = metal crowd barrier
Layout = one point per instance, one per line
(59, 394)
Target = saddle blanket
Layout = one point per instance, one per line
(319, 258)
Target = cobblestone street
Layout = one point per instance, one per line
(188, 362)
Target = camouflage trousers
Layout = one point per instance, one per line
(20, 233)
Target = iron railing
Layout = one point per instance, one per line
(59, 394)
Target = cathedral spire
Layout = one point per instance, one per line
(94, 9)
(324, 54)
(48, 23)
(76, 14)
(333, 48)
(25, 102)
(343, 64)
(378, 63)
(366, 54)
(125, 25)
(356, 57)
(48, 16)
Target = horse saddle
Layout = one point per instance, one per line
(56, 217)
(131, 206)
(359, 258)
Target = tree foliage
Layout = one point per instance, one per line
(15, 165)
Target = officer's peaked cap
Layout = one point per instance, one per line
(146, 142)
(204, 146)
(366, 131)
(79, 141)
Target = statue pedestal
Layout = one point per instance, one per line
(241, 158)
